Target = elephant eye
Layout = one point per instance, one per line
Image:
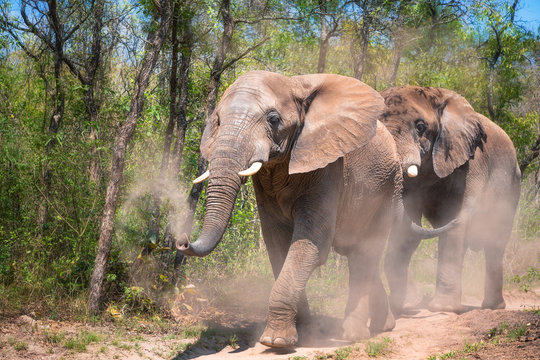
(420, 126)
(273, 119)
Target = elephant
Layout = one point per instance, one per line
(457, 165)
(325, 173)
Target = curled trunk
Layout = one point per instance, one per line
(223, 186)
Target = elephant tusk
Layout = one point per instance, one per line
(253, 169)
(412, 171)
(202, 178)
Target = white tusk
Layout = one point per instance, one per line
(412, 171)
(256, 166)
(202, 178)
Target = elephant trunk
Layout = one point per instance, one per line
(223, 186)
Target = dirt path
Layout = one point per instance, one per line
(421, 334)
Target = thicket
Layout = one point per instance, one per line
(68, 71)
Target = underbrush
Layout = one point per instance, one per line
(52, 283)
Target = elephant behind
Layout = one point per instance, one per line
(457, 164)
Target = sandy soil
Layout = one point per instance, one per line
(420, 334)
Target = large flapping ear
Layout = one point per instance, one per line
(339, 115)
(460, 133)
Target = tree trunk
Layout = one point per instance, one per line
(154, 44)
(359, 55)
(92, 107)
(491, 80)
(181, 118)
(361, 62)
(324, 38)
(398, 50)
(56, 116)
(173, 87)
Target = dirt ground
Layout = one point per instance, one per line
(420, 334)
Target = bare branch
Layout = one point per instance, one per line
(242, 55)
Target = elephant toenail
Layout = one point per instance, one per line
(266, 340)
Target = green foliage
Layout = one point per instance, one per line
(378, 348)
(81, 340)
(20, 346)
(516, 332)
(510, 333)
(51, 264)
(525, 281)
(137, 301)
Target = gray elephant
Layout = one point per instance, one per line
(457, 164)
(325, 173)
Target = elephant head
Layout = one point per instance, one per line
(435, 130)
(308, 121)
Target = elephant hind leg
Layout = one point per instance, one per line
(493, 298)
(381, 316)
(363, 266)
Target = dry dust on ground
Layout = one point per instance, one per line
(420, 334)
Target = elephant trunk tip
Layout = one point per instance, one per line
(185, 247)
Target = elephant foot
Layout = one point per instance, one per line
(445, 304)
(377, 326)
(396, 306)
(494, 304)
(355, 330)
(282, 338)
(390, 322)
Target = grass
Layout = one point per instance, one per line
(20, 346)
(81, 340)
(517, 332)
(494, 335)
(374, 348)
(343, 353)
(194, 332)
(54, 337)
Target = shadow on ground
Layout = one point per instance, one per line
(324, 331)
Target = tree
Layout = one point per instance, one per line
(154, 43)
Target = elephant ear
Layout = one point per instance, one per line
(339, 115)
(460, 133)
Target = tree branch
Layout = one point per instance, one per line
(242, 55)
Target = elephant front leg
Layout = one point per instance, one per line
(288, 295)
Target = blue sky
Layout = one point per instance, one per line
(529, 13)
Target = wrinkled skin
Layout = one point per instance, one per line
(467, 170)
(329, 177)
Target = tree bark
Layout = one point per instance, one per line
(533, 154)
(360, 55)
(181, 118)
(493, 62)
(324, 38)
(154, 44)
(92, 107)
(173, 87)
(57, 115)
